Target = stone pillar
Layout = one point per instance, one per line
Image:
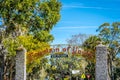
(20, 64)
(101, 63)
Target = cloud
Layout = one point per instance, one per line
(75, 27)
(82, 6)
(69, 22)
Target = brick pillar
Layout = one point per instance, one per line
(20, 64)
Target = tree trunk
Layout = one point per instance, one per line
(11, 71)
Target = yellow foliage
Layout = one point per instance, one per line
(35, 49)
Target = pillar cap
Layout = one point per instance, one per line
(21, 48)
(100, 44)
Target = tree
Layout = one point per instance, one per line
(77, 39)
(89, 47)
(110, 35)
(35, 16)
(117, 69)
(27, 19)
(87, 44)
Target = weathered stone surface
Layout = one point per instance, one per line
(20, 65)
(101, 63)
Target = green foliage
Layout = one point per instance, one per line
(33, 46)
(28, 23)
(28, 42)
(89, 46)
(64, 66)
(11, 46)
(91, 42)
(110, 34)
(43, 36)
(117, 73)
(35, 15)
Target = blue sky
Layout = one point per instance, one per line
(84, 16)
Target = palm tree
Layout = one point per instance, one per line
(89, 53)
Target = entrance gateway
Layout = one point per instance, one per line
(101, 61)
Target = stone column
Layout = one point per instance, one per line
(20, 64)
(101, 63)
